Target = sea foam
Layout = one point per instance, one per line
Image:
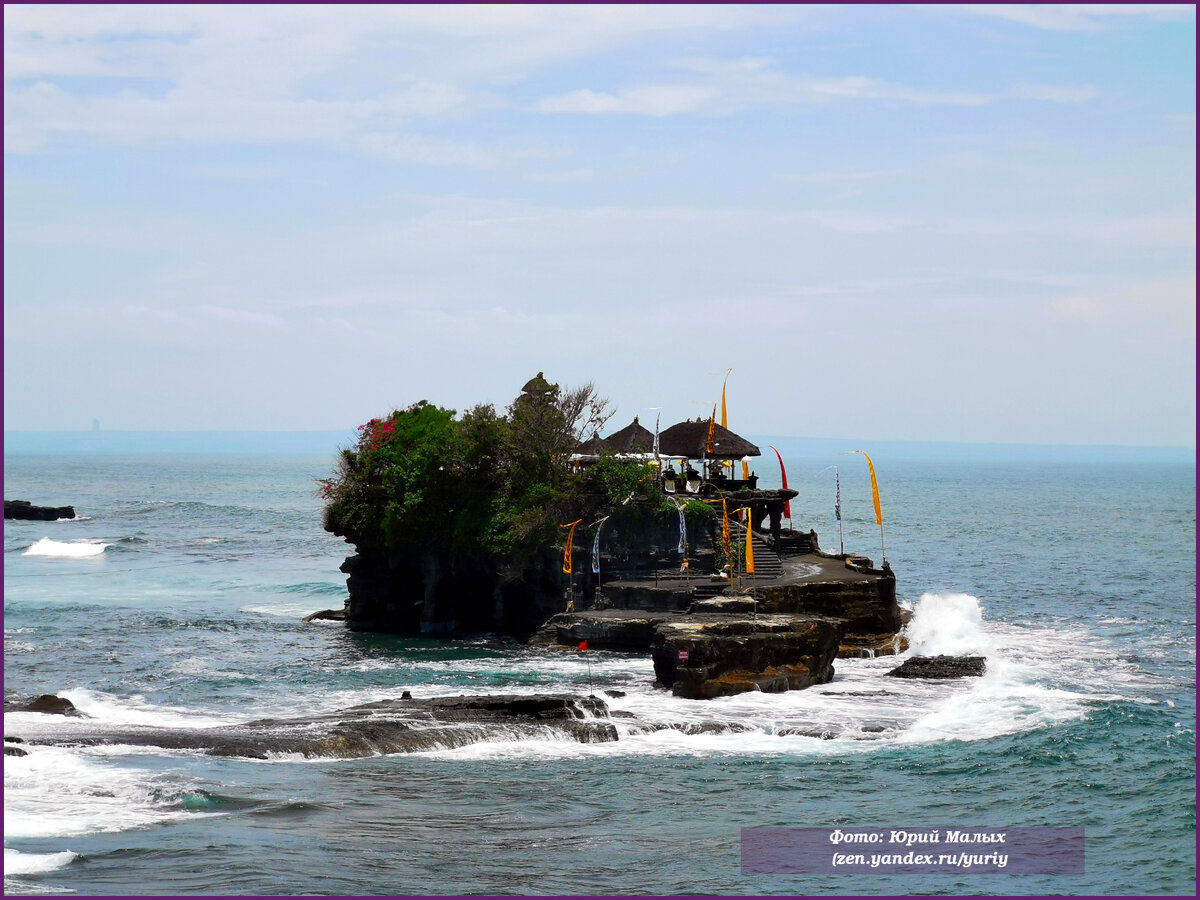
(18, 863)
(58, 792)
(72, 549)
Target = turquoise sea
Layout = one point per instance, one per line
(175, 600)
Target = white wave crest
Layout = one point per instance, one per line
(285, 610)
(950, 624)
(135, 710)
(102, 708)
(59, 792)
(18, 863)
(73, 549)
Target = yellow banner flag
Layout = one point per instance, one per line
(874, 488)
(724, 411)
(570, 539)
(712, 431)
(749, 541)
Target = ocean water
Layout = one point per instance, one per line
(175, 600)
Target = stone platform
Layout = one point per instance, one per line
(776, 634)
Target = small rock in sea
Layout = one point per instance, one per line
(939, 667)
(51, 703)
(615, 693)
(14, 751)
(407, 695)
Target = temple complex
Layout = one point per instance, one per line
(698, 565)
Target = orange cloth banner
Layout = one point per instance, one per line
(570, 539)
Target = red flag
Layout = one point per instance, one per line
(583, 645)
(787, 504)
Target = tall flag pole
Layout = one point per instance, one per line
(875, 497)
(749, 541)
(837, 510)
(725, 424)
(583, 649)
(787, 504)
(725, 537)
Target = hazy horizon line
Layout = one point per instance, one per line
(20, 435)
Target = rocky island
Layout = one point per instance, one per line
(530, 524)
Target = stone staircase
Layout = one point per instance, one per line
(796, 543)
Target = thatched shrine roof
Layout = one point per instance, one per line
(633, 438)
(690, 439)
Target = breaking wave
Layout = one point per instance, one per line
(69, 549)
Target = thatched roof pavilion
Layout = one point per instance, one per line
(593, 446)
(690, 439)
(633, 438)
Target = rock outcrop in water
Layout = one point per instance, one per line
(770, 653)
(386, 726)
(43, 703)
(940, 667)
(24, 509)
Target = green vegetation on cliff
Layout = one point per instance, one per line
(496, 484)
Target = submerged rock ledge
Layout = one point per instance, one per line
(370, 729)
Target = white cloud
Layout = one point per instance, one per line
(733, 85)
(1054, 93)
(301, 73)
(427, 151)
(650, 100)
(1075, 17)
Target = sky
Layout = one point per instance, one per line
(947, 223)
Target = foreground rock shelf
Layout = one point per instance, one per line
(386, 726)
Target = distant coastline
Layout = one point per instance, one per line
(320, 442)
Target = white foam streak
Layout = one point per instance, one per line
(112, 710)
(285, 610)
(80, 549)
(18, 863)
(57, 792)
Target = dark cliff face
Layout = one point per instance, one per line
(414, 591)
(430, 590)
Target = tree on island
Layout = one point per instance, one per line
(483, 482)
